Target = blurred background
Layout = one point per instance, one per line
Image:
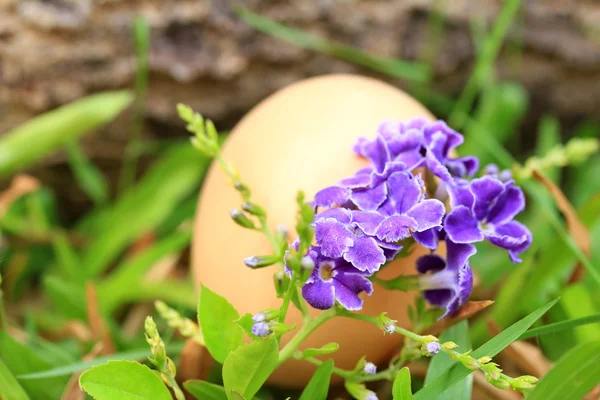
(96, 167)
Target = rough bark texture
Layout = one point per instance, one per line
(54, 51)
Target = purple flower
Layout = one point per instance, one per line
(335, 280)
(431, 348)
(484, 209)
(447, 283)
(418, 143)
(405, 212)
(339, 237)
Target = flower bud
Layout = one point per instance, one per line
(449, 345)
(387, 324)
(254, 209)
(241, 219)
(266, 315)
(279, 327)
(430, 349)
(171, 369)
(279, 280)
(256, 262)
(491, 371)
(485, 360)
(307, 265)
(369, 368)
(261, 329)
(501, 383)
(469, 361)
(524, 383)
(281, 233)
(242, 188)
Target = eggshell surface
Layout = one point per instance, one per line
(299, 138)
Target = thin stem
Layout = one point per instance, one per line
(304, 332)
(375, 321)
(387, 374)
(286, 299)
(303, 308)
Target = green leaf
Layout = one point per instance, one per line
(401, 389)
(217, 319)
(21, 359)
(458, 334)
(245, 322)
(236, 396)
(117, 287)
(573, 376)
(70, 369)
(205, 391)
(457, 371)
(560, 326)
(174, 177)
(123, 380)
(318, 387)
(26, 144)
(87, 175)
(325, 349)
(9, 387)
(247, 368)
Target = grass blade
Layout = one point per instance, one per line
(458, 334)
(412, 71)
(88, 177)
(9, 387)
(457, 371)
(29, 142)
(560, 326)
(573, 376)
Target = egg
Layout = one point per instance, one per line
(299, 138)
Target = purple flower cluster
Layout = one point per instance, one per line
(365, 220)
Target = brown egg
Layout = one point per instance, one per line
(299, 138)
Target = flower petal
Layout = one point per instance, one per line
(460, 194)
(430, 263)
(369, 199)
(404, 191)
(457, 254)
(463, 166)
(332, 196)
(428, 214)
(320, 295)
(365, 255)
(508, 205)
(437, 167)
(395, 228)
(427, 238)
(333, 237)
(461, 226)
(512, 236)
(486, 190)
(377, 152)
(340, 214)
(347, 288)
(367, 221)
(361, 181)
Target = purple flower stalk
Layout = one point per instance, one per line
(335, 280)
(370, 368)
(484, 209)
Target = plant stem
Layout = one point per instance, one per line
(375, 321)
(304, 332)
(286, 299)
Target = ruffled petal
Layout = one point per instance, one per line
(333, 237)
(319, 294)
(332, 196)
(461, 226)
(395, 228)
(365, 255)
(377, 152)
(428, 214)
(486, 190)
(367, 221)
(437, 167)
(427, 238)
(360, 181)
(463, 166)
(342, 215)
(512, 236)
(457, 254)
(508, 205)
(348, 286)
(404, 191)
(460, 194)
(369, 199)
